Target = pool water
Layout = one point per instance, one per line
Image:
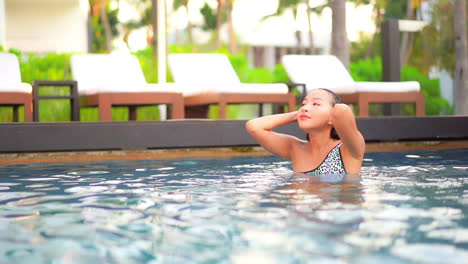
(405, 207)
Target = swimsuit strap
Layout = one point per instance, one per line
(332, 164)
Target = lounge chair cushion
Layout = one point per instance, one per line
(15, 87)
(128, 88)
(280, 88)
(327, 71)
(10, 75)
(245, 88)
(202, 69)
(390, 87)
(9, 68)
(112, 73)
(198, 73)
(319, 71)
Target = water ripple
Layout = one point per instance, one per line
(404, 208)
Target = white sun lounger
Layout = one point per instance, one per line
(327, 71)
(210, 79)
(14, 92)
(105, 80)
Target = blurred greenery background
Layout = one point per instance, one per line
(54, 66)
(431, 47)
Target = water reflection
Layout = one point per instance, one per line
(309, 193)
(235, 211)
(343, 188)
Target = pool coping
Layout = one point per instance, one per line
(190, 133)
(145, 154)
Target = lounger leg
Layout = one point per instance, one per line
(222, 110)
(165, 112)
(177, 108)
(363, 104)
(105, 108)
(15, 113)
(132, 113)
(279, 108)
(291, 102)
(420, 105)
(28, 114)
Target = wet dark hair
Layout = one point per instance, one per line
(335, 100)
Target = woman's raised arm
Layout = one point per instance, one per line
(261, 130)
(345, 124)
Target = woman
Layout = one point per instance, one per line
(334, 144)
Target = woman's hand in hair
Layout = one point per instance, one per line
(342, 119)
(261, 129)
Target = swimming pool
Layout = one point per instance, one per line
(406, 207)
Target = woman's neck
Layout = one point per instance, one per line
(320, 139)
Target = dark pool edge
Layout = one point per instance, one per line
(153, 154)
(99, 136)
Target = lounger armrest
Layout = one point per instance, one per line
(292, 85)
(73, 96)
(303, 93)
(73, 85)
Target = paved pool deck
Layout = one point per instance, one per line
(148, 154)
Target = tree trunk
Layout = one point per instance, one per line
(232, 34)
(154, 27)
(311, 35)
(378, 22)
(126, 35)
(297, 34)
(189, 24)
(461, 64)
(340, 43)
(405, 47)
(409, 49)
(219, 20)
(106, 25)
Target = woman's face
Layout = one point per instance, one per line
(315, 110)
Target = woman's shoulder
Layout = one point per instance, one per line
(345, 150)
(352, 164)
(297, 142)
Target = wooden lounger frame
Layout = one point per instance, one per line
(363, 99)
(17, 99)
(223, 99)
(105, 101)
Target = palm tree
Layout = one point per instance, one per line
(148, 19)
(232, 34)
(105, 23)
(379, 10)
(154, 26)
(214, 20)
(309, 25)
(340, 43)
(219, 22)
(293, 5)
(407, 38)
(224, 14)
(461, 64)
(184, 3)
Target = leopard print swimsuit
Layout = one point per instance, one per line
(333, 163)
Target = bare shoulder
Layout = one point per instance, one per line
(297, 143)
(299, 146)
(352, 164)
(345, 124)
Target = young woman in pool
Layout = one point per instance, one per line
(334, 144)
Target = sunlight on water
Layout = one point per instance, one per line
(406, 207)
